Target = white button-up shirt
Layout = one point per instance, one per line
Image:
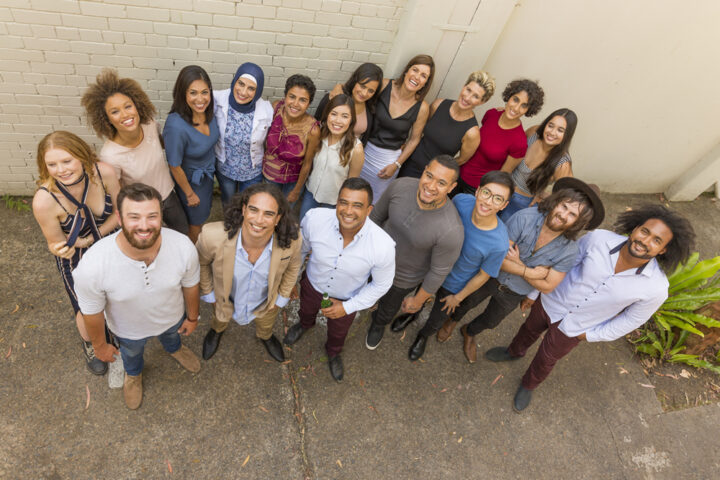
(604, 305)
(343, 272)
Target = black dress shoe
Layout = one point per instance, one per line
(522, 399)
(210, 344)
(418, 348)
(499, 354)
(293, 334)
(274, 348)
(336, 367)
(402, 321)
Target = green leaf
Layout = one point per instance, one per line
(660, 321)
(682, 357)
(706, 294)
(681, 339)
(702, 270)
(685, 326)
(684, 267)
(649, 350)
(702, 319)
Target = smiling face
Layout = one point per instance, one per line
(62, 166)
(122, 113)
(435, 184)
(649, 240)
(244, 90)
(517, 106)
(563, 216)
(353, 207)
(339, 119)
(260, 216)
(364, 90)
(198, 96)
(555, 130)
(297, 102)
(491, 198)
(141, 222)
(471, 96)
(416, 78)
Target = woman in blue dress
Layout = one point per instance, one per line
(190, 135)
(243, 120)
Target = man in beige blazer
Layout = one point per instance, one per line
(249, 265)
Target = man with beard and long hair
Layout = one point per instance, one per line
(542, 251)
(249, 265)
(144, 281)
(428, 235)
(616, 287)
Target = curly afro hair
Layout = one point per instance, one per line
(536, 95)
(108, 83)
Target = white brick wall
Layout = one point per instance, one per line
(51, 49)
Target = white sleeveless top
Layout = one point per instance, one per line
(327, 173)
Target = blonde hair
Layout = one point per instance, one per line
(73, 145)
(485, 81)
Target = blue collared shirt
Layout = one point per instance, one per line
(343, 272)
(604, 305)
(560, 253)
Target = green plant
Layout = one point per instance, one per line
(14, 203)
(692, 286)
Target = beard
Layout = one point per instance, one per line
(561, 226)
(643, 256)
(141, 244)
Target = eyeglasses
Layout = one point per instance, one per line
(497, 200)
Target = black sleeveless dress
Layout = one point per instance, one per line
(442, 135)
(76, 226)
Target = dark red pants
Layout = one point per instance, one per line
(553, 347)
(337, 327)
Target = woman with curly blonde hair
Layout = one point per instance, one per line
(74, 208)
(120, 111)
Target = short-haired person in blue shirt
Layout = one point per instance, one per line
(616, 286)
(484, 247)
(542, 251)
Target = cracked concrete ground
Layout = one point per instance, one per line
(246, 416)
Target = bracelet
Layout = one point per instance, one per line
(192, 321)
(398, 164)
(524, 270)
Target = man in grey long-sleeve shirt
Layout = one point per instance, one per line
(428, 235)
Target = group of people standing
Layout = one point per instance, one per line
(470, 218)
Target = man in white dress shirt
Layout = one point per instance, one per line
(616, 287)
(345, 248)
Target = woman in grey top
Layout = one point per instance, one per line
(547, 160)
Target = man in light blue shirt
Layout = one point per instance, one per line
(345, 248)
(616, 287)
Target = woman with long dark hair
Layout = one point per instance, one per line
(74, 206)
(364, 88)
(190, 134)
(400, 117)
(547, 160)
(340, 155)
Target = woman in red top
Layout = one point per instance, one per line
(502, 137)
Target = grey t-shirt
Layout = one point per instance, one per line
(523, 229)
(428, 242)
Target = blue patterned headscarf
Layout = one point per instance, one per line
(254, 72)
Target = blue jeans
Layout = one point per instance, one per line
(517, 202)
(309, 202)
(131, 351)
(229, 187)
(285, 188)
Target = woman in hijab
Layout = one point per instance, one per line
(243, 119)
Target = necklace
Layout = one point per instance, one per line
(81, 179)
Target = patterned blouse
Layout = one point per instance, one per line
(238, 165)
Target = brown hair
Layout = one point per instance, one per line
(108, 83)
(419, 60)
(138, 192)
(585, 215)
(72, 144)
(348, 140)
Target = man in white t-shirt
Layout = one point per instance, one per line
(144, 282)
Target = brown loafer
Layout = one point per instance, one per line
(469, 346)
(445, 332)
(187, 359)
(133, 391)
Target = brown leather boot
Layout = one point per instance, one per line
(133, 391)
(469, 346)
(187, 359)
(445, 332)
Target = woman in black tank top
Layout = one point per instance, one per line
(400, 117)
(452, 127)
(74, 208)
